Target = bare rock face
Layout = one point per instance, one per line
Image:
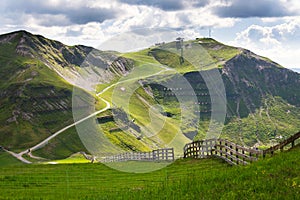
(71, 62)
(8, 38)
(22, 48)
(17, 114)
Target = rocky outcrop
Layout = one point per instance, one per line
(250, 78)
(73, 63)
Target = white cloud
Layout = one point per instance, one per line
(293, 5)
(75, 22)
(276, 42)
(269, 35)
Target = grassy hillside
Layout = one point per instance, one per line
(262, 96)
(270, 121)
(273, 122)
(199, 54)
(36, 76)
(62, 146)
(153, 130)
(36, 101)
(272, 178)
(8, 160)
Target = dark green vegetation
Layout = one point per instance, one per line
(271, 178)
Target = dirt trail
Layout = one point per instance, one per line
(108, 106)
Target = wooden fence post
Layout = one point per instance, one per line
(281, 148)
(231, 153)
(221, 148)
(237, 157)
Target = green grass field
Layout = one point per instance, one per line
(277, 177)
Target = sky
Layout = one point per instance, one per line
(269, 28)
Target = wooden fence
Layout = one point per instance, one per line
(166, 154)
(228, 151)
(290, 141)
(231, 152)
(199, 149)
(235, 154)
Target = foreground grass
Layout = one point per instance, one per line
(272, 178)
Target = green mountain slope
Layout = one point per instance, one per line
(30, 109)
(38, 76)
(262, 96)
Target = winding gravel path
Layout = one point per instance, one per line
(108, 106)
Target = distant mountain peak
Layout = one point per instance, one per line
(22, 32)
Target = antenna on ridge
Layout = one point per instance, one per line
(209, 32)
(179, 46)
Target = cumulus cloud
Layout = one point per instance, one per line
(270, 35)
(254, 8)
(147, 17)
(278, 42)
(69, 12)
(92, 22)
(112, 17)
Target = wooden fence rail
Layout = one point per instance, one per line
(231, 152)
(199, 149)
(291, 140)
(228, 151)
(166, 154)
(234, 153)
